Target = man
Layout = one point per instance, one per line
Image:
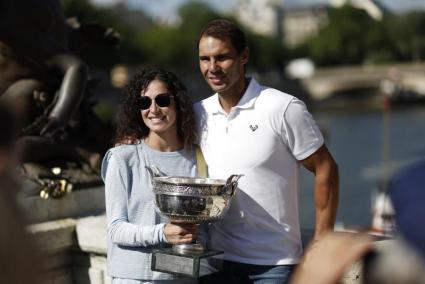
(249, 129)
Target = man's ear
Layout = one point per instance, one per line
(245, 55)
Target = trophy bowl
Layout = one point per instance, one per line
(189, 201)
(193, 200)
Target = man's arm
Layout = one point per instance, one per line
(326, 189)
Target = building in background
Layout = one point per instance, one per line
(302, 22)
(261, 16)
(294, 22)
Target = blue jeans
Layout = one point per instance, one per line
(239, 273)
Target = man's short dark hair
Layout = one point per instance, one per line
(225, 29)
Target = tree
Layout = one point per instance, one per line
(408, 36)
(175, 46)
(342, 41)
(102, 56)
(352, 37)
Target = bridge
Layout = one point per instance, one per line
(329, 82)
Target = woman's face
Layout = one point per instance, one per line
(159, 119)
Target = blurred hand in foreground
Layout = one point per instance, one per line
(327, 259)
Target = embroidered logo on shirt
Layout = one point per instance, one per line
(253, 127)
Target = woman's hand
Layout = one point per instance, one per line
(180, 233)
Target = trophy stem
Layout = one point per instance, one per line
(195, 247)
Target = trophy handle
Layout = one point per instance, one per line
(154, 172)
(232, 184)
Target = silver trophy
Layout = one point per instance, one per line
(191, 201)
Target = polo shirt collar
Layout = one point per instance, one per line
(247, 100)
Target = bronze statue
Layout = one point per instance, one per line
(45, 82)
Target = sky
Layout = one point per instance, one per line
(167, 9)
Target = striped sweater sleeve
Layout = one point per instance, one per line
(119, 230)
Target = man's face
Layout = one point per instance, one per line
(221, 65)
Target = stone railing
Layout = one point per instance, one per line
(71, 233)
(75, 243)
(75, 250)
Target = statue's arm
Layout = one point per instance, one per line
(75, 75)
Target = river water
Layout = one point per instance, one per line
(357, 140)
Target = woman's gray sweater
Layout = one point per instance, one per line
(134, 226)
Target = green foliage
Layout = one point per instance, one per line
(176, 47)
(86, 12)
(101, 56)
(266, 53)
(194, 16)
(352, 37)
(408, 36)
(167, 47)
(342, 40)
(105, 111)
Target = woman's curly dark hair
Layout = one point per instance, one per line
(130, 125)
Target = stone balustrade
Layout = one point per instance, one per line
(75, 243)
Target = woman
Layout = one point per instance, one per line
(156, 120)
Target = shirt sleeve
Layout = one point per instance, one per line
(301, 132)
(120, 231)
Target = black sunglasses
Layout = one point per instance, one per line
(161, 100)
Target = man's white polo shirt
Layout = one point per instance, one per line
(262, 138)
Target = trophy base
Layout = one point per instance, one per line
(193, 264)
